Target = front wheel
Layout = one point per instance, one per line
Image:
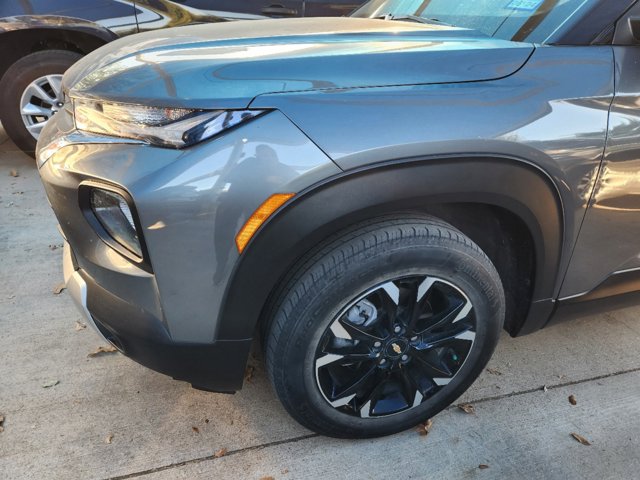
(383, 327)
(31, 93)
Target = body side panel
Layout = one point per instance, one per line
(610, 236)
(552, 113)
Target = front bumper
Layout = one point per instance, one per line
(190, 204)
(216, 366)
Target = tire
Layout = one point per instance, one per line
(369, 274)
(16, 80)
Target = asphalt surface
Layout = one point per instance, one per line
(68, 416)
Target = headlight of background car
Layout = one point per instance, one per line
(169, 127)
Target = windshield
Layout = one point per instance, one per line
(537, 21)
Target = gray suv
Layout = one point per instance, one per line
(374, 197)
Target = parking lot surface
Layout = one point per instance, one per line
(68, 415)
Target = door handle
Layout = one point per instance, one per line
(279, 10)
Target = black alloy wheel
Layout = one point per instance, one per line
(395, 346)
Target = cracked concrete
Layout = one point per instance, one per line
(518, 430)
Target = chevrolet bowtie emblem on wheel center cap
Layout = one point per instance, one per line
(396, 348)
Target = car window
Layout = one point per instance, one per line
(520, 20)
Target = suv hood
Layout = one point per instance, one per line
(227, 65)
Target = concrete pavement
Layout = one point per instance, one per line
(64, 430)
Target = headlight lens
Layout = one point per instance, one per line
(168, 127)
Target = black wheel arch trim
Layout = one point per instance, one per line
(321, 210)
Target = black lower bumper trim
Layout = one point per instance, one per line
(217, 366)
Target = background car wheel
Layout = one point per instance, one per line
(383, 327)
(30, 94)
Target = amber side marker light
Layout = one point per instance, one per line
(258, 217)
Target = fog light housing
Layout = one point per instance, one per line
(115, 215)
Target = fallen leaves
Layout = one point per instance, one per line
(483, 466)
(494, 371)
(572, 400)
(267, 478)
(467, 408)
(248, 373)
(14, 173)
(80, 325)
(109, 439)
(424, 428)
(1, 423)
(57, 290)
(103, 349)
(581, 439)
(220, 453)
(195, 429)
(50, 383)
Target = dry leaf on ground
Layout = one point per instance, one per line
(80, 325)
(103, 349)
(267, 478)
(494, 371)
(14, 173)
(483, 466)
(467, 408)
(195, 429)
(424, 428)
(57, 290)
(248, 373)
(572, 400)
(220, 453)
(50, 383)
(581, 439)
(109, 438)
(1, 423)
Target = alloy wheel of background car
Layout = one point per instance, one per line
(40, 101)
(395, 346)
(30, 93)
(382, 326)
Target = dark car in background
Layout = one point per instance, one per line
(40, 39)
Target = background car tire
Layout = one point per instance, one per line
(339, 271)
(14, 82)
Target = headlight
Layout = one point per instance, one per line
(169, 127)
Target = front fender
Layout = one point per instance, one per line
(314, 215)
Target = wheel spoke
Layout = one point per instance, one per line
(427, 367)
(55, 81)
(35, 90)
(360, 384)
(36, 128)
(357, 332)
(411, 391)
(448, 337)
(36, 110)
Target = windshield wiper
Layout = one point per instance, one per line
(412, 18)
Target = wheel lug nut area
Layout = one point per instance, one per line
(377, 344)
(397, 329)
(404, 358)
